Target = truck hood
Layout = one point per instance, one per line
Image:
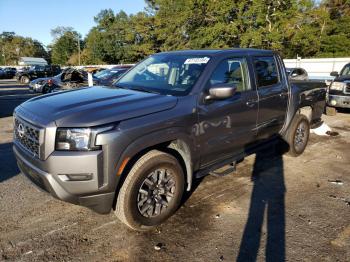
(93, 106)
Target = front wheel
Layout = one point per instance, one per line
(152, 191)
(297, 135)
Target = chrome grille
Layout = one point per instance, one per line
(347, 88)
(28, 136)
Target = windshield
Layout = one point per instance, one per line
(168, 74)
(345, 71)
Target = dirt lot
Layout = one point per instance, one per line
(272, 208)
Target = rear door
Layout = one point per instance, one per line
(273, 95)
(226, 126)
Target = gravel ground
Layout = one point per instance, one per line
(272, 208)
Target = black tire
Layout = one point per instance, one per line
(45, 89)
(138, 204)
(25, 80)
(297, 135)
(331, 111)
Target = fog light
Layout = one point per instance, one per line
(79, 177)
(333, 102)
(76, 177)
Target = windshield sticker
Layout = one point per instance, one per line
(197, 60)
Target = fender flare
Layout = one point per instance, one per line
(293, 108)
(178, 141)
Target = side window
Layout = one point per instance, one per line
(232, 71)
(40, 68)
(345, 71)
(300, 72)
(296, 72)
(266, 71)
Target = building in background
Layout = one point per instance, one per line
(30, 61)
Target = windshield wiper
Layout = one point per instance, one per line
(142, 89)
(139, 88)
(121, 87)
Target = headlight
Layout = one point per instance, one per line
(39, 84)
(78, 139)
(337, 86)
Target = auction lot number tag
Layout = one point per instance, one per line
(197, 60)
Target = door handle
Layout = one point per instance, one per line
(251, 103)
(282, 95)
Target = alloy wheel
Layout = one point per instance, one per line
(156, 193)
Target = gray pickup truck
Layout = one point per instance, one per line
(176, 116)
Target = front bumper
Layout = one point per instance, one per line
(51, 176)
(33, 88)
(339, 101)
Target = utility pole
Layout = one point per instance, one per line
(78, 50)
(3, 54)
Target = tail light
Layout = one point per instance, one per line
(50, 82)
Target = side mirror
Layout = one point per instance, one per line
(334, 73)
(221, 91)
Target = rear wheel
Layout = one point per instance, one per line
(152, 191)
(25, 80)
(297, 135)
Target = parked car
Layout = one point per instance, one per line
(69, 78)
(339, 91)
(176, 116)
(74, 78)
(8, 73)
(297, 73)
(37, 71)
(108, 76)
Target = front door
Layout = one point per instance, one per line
(226, 126)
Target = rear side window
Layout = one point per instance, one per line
(266, 71)
(231, 71)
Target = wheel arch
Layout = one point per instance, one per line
(180, 147)
(307, 111)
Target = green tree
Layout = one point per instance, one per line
(106, 42)
(336, 40)
(12, 47)
(65, 45)
(119, 38)
(306, 28)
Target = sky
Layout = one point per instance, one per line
(36, 18)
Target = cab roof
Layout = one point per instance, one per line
(220, 51)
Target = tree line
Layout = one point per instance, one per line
(305, 28)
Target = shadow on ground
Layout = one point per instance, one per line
(11, 95)
(268, 197)
(8, 167)
(343, 110)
